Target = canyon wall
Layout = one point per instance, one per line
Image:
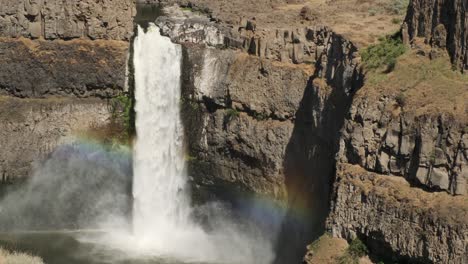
(396, 221)
(67, 19)
(265, 124)
(273, 111)
(402, 172)
(62, 63)
(268, 109)
(427, 150)
(442, 23)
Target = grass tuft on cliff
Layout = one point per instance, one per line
(356, 250)
(7, 257)
(384, 54)
(121, 124)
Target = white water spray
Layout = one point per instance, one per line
(159, 181)
(162, 212)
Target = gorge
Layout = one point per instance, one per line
(234, 131)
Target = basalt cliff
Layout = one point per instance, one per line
(62, 63)
(278, 103)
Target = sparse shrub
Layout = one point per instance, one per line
(307, 13)
(121, 108)
(355, 251)
(231, 114)
(261, 116)
(357, 248)
(401, 100)
(383, 54)
(373, 11)
(398, 7)
(396, 21)
(192, 105)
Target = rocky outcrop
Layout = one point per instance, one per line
(67, 19)
(81, 68)
(390, 216)
(429, 151)
(32, 128)
(239, 93)
(443, 25)
(307, 45)
(265, 124)
(61, 61)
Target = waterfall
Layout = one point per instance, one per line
(161, 206)
(162, 219)
(159, 183)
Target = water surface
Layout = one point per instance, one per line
(70, 247)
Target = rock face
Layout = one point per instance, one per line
(67, 19)
(429, 151)
(265, 124)
(278, 122)
(81, 68)
(443, 24)
(32, 128)
(390, 216)
(232, 87)
(61, 61)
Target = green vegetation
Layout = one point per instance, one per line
(190, 105)
(187, 8)
(398, 7)
(401, 99)
(391, 7)
(384, 54)
(232, 113)
(421, 85)
(120, 127)
(121, 109)
(190, 158)
(356, 250)
(396, 21)
(260, 116)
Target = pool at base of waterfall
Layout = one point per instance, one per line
(75, 247)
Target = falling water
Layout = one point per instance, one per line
(159, 183)
(162, 213)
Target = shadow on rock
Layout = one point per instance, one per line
(309, 166)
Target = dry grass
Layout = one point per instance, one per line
(7, 257)
(326, 250)
(427, 86)
(361, 21)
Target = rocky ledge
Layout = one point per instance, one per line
(396, 221)
(427, 150)
(81, 68)
(57, 19)
(442, 23)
